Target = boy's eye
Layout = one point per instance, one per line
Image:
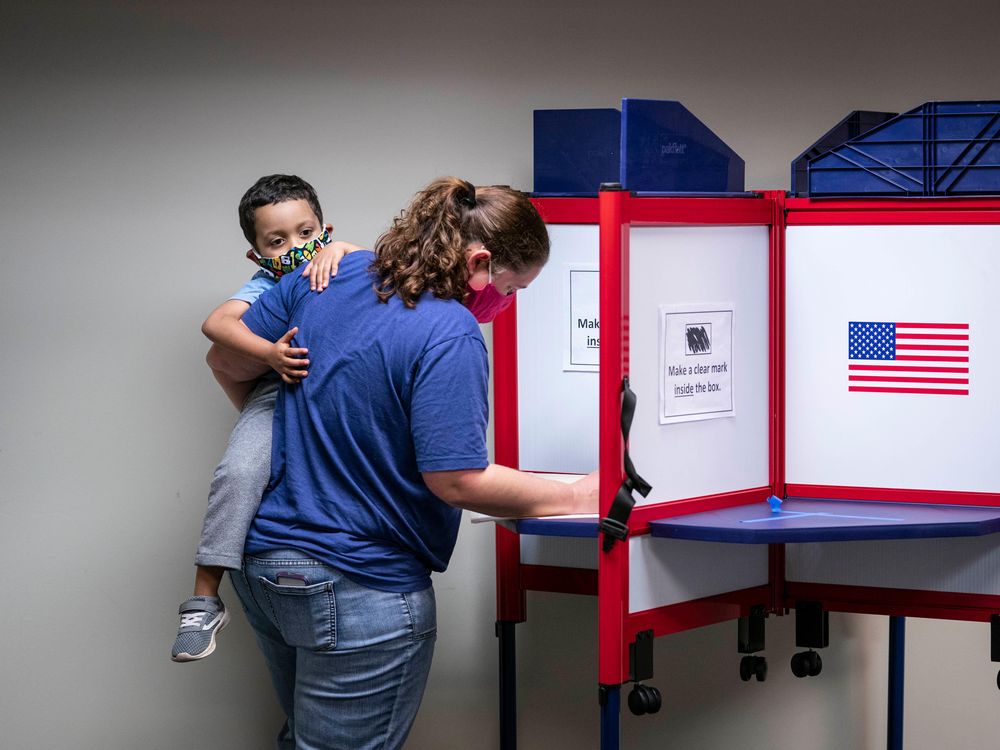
(277, 241)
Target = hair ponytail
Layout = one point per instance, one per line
(425, 248)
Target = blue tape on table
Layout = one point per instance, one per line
(807, 520)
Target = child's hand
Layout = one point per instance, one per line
(324, 266)
(288, 361)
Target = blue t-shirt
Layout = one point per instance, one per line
(259, 283)
(391, 392)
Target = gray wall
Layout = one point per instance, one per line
(128, 131)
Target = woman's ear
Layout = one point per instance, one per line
(477, 259)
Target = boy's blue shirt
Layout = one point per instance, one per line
(391, 392)
(259, 283)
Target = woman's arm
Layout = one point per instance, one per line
(508, 493)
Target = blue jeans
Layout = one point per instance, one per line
(349, 663)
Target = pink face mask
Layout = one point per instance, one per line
(487, 303)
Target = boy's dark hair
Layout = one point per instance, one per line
(274, 188)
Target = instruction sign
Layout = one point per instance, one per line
(582, 303)
(696, 362)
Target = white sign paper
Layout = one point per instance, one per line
(696, 362)
(582, 343)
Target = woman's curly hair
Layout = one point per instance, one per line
(425, 248)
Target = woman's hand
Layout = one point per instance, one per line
(323, 266)
(288, 361)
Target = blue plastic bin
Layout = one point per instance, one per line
(650, 146)
(856, 123)
(575, 150)
(666, 149)
(937, 149)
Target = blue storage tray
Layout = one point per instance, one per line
(937, 149)
(666, 149)
(856, 123)
(650, 146)
(575, 150)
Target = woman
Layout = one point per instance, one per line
(375, 454)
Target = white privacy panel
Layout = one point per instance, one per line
(705, 267)
(931, 274)
(670, 571)
(966, 565)
(557, 408)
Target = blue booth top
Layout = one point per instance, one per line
(812, 520)
(799, 520)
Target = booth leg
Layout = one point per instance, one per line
(897, 656)
(508, 685)
(610, 696)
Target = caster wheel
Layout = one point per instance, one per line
(799, 666)
(753, 666)
(654, 700)
(998, 680)
(639, 701)
(815, 663)
(806, 664)
(636, 702)
(644, 700)
(760, 671)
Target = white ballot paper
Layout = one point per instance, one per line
(696, 362)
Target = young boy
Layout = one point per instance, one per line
(281, 218)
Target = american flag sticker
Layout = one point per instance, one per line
(924, 358)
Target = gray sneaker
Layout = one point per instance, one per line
(201, 618)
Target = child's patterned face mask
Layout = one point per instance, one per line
(297, 256)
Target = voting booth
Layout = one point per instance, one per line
(666, 299)
(791, 402)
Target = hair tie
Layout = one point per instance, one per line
(469, 199)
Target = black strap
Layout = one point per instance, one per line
(615, 525)
(639, 484)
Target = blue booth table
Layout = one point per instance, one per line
(815, 522)
(807, 520)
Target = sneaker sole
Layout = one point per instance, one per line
(183, 657)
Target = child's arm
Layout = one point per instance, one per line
(324, 266)
(237, 390)
(256, 355)
(238, 356)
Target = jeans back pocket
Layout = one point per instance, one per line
(422, 610)
(306, 616)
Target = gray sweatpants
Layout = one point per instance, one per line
(239, 481)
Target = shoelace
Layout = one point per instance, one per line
(192, 619)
